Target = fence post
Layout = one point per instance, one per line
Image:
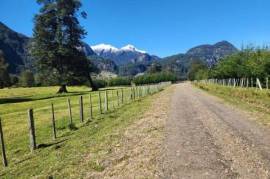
(267, 84)
(259, 83)
(242, 82)
(53, 123)
(91, 107)
(5, 163)
(135, 93)
(118, 100)
(70, 112)
(100, 102)
(106, 101)
(81, 109)
(122, 95)
(113, 102)
(131, 94)
(31, 122)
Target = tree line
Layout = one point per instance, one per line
(247, 63)
(26, 78)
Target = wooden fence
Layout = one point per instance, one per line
(108, 100)
(239, 82)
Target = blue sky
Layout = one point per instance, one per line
(161, 27)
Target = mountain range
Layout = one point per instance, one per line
(124, 55)
(208, 54)
(127, 60)
(14, 46)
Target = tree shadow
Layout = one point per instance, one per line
(27, 99)
(13, 100)
(42, 146)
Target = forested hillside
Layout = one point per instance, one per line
(248, 63)
(14, 47)
(208, 55)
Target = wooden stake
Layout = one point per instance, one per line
(100, 103)
(70, 112)
(259, 83)
(53, 123)
(118, 100)
(4, 157)
(242, 82)
(81, 109)
(90, 107)
(106, 101)
(113, 102)
(131, 94)
(32, 134)
(122, 95)
(135, 91)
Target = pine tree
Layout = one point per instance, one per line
(56, 43)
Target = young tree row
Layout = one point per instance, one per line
(248, 63)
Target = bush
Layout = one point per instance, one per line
(14, 80)
(27, 79)
(119, 81)
(100, 83)
(155, 78)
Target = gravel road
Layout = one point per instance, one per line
(206, 138)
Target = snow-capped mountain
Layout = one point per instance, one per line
(131, 48)
(124, 55)
(104, 48)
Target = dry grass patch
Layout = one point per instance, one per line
(138, 153)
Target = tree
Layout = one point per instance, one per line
(57, 42)
(4, 75)
(155, 68)
(14, 80)
(27, 79)
(154, 78)
(196, 66)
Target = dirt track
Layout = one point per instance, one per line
(208, 139)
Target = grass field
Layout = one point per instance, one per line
(250, 99)
(64, 156)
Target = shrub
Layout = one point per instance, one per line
(100, 83)
(119, 81)
(27, 79)
(155, 78)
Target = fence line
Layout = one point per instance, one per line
(120, 96)
(239, 82)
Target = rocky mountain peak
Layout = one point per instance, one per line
(132, 48)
